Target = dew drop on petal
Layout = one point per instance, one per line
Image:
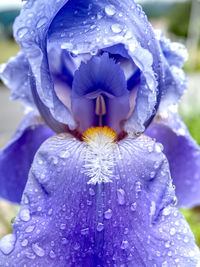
(7, 243)
(121, 196)
(62, 226)
(108, 214)
(116, 28)
(38, 250)
(133, 206)
(52, 254)
(84, 231)
(24, 243)
(41, 22)
(124, 244)
(110, 10)
(91, 192)
(172, 231)
(21, 32)
(100, 227)
(30, 229)
(25, 215)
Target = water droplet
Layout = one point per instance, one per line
(50, 211)
(7, 243)
(91, 192)
(30, 229)
(62, 226)
(52, 254)
(110, 10)
(64, 241)
(165, 264)
(172, 231)
(68, 46)
(152, 175)
(41, 22)
(167, 244)
(85, 231)
(100, 227)
(108, 214)
(30, 255)
(158, 147)
(133, 206)
(116, 28)
(21, 32)
(24, 243)
(76, 246)
(64, 154)
(186, 239)
(121, 196)
(138, 188)
(25, 215)
(166, 211)
(152, 208)
(124, 244)
(38, 250)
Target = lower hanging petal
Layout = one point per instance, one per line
(17, 157)
(129, 220)
(183, 155)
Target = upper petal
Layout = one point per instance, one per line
(15, 75)
(131, 221)
(183, 154)
(174, 56)
(16, 158)
(83, 27)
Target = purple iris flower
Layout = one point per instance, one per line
(98, 85)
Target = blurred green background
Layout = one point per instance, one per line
(179, 20)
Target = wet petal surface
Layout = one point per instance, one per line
(130, 221)
(183, 154)
(16, 158)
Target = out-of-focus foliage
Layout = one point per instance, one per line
(193, 124)
(178, 18)
(193, 218)
(8, 49)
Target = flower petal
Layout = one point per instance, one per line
(15, 75)
(100, 77)
(66, 221)
(90, 26)
(17, 157)
(174, 56)
(183, 155)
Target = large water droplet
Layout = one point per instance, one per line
(38, 250)
(52, 254)
(121, 196)
(152, 208)
(24, 243)
(7, 243)
(172, 231)
(85, 231)
(64, 154)
(30, 229)
(62, 226)
(138, 188)
(133, 206)
(108, 214)
(68, 46)
(25, 215)
(116, 28)
(22, 31)
(41, 22)
(110, 10)
(124, 244)
(91, 192)
(100, 227)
